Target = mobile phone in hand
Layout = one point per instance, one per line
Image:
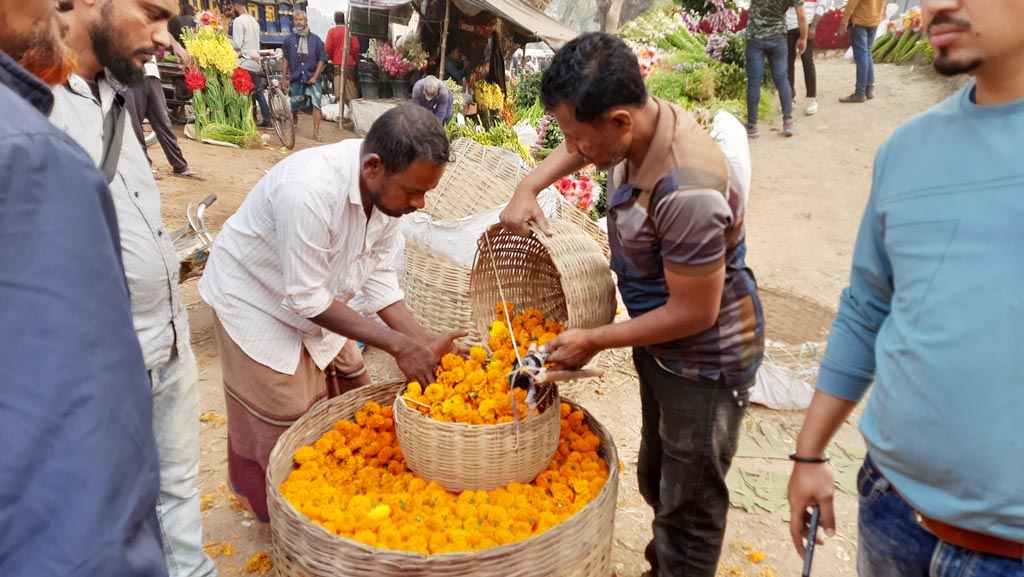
(812, 537)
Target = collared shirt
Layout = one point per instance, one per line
(678, 213)
(300, 241)
(245, 38)
(768, 18)
(79, 480)
(301, 67)
(150, 263)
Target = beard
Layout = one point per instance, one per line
(46, 57)
(947, 66)
(111, 54)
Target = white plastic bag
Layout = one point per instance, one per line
(778, 388)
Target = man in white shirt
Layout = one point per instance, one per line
(814, 9)
(320, 226)
(112, 40)
(245, 38)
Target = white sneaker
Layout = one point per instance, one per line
(812, 108)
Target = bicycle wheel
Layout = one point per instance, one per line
(281, 116)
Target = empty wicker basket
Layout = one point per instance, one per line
(437, 292)
(565, 276)
(477, 457)
(579, 547)
(796, 330)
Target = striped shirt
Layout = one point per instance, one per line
(150, 263)
(300, 241)
(679, 213)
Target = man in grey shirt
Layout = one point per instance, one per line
(245, 38)
(112, 40)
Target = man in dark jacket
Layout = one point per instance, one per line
(78, 484)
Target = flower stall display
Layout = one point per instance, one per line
(903, 41)
(220, 90)
(396, 63)
(354, 483)
(649, 59)
(580, 190)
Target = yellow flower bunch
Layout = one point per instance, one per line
(475, 391)
(210, 48)
(489, 96)
(353, 482)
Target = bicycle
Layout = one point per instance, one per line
(280, 103)
(192, 244)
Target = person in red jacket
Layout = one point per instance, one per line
(336, 52)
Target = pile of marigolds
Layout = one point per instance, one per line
(475, 391)
(353, 481)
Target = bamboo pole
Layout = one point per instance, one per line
(444, 40)
(340, 91)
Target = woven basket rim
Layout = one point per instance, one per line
(456, 426)
(608, 451)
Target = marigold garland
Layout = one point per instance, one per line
(475, 391)
(353, 482)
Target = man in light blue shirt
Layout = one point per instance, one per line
(933, 316)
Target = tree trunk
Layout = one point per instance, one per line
(608, 12)
(634, 8)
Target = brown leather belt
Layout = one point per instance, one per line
(970, 540)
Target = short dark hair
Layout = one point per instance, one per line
(404, 134)
(188, 10)
(339, 18)
(593, 74)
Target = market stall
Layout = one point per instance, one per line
(472, 25)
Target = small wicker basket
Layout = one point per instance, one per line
(477, 457)
(565, 276)
(579, 547)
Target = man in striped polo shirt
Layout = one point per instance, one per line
(677, 242)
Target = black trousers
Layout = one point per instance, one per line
(807, 59)
(146, 100)
(689, 435)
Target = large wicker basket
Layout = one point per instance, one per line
(565, 276)
(480, 178)
(477, 457)
(796, 330)
(579, 547)
(437, 292)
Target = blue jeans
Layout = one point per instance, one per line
(773, 48)
(176, 427)
(862, 38)
(689, 434)
(891, 543)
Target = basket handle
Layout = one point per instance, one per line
(561, 376)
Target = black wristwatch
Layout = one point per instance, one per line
(794, 457)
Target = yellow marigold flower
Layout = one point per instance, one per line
(414, 388)
(379, 512)
(756, 556)
(434, 392)
(478, 354)
(503, 308)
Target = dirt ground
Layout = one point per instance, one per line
(808, 195)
